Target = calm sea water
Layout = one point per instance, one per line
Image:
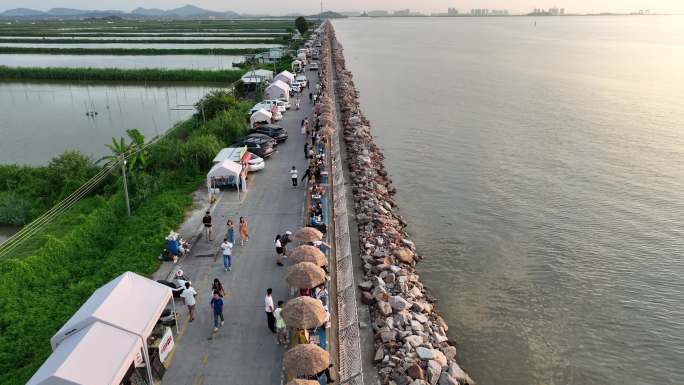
(542, 172)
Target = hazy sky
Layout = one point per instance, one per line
(311, 6)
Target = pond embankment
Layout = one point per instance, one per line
(410, 337)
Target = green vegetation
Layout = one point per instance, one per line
(70, 35)
(149, 26)
(95, 241)
(301, 24)
(132, 51)
(146, 41)
(26, 192)
(118, 74)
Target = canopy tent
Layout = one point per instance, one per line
(129, 302)
(231, 153)
(278, 90)
(260, 116)
(285, 76)
(97, 354)
(226, 168)
(257, 76)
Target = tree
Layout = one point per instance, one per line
(301, 24)
(120, 147)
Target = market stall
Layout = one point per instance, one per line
(130, 303)
(226, 173)
(278, 90)
(96, 354)
(285, 76)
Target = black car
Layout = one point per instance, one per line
(275, 132)
(261, 146)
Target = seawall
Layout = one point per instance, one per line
(410, 340)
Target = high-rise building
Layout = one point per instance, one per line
(402, 12)
(452, 12)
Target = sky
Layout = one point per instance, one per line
(279, 7)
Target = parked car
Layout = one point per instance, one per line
(256, 163)
(261, 146)
(260, 106)
(302, 80)
(295, 87)
(313, 67)
(284, 103)
(273, 131)
(264, 137)
(282, 107)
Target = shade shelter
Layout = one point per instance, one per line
(96, 354)
(278, 90)
(224, 170)
(305, 275)
(285, 76)
(304, 313)
(308, 234)
(306, 359)
(257, 76)
(306, 253)
(129, 302)
(260, 116)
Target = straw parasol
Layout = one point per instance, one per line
(327, 131)
(306, 359)
(302, 382)
(306, 253)
(326, 121)
(305, 275)
(304, 313)
(308, 234)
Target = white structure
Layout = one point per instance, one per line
(278, 90)
(257, 76)
(231, 153)
(130, 303)
(226, 169)
(285, 76)
(260, 116)
(97, 354)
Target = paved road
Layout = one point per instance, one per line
(243, 351)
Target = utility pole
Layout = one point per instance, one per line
(123, 171)
(320, 15)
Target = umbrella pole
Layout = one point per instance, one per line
(146, 354)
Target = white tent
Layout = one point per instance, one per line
(260, 116)
(226, 168)
(285, 76)
(129, 302)
(231, 153)
(278, 90)
(97, 354)
(257, 76)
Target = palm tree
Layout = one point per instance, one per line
(120, 147)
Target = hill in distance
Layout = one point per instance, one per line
(184, 12)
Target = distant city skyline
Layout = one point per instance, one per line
(312, 6)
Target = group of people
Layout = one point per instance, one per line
(216, 303)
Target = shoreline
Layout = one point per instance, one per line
(411, 342)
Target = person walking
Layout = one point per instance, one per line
(188, 296)
(207, 226)
(269, 307)
(293, 176)
(306, 150)
(216, 305)
(280, 325)
(230, 233)
(217, 286)
(244, 231)
(279, 250)
(227, 249)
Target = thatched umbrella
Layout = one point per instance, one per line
(305, 275)
(308, 234)
(306, 253)
(327, 131)
(306, 359)
(302, 382)
(304, 313)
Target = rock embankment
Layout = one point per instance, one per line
(410, 337)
